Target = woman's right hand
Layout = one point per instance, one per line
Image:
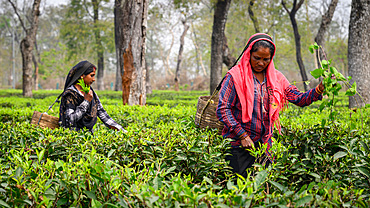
(88, 96)
(247, 142)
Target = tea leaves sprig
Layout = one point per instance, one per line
(331, 79)
(85, 88)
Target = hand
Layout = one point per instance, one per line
(247, 142)
(88, 96)
(112, 127)
(321, 87)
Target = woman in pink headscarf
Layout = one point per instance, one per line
(252, 94)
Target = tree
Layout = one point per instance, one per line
(358, 47)
(227, 58)
(219, 21)
(325, 22)
(99, 45)
(85, 29)
(197, 51)
(9, 29)
(179, 59)
(297, 37)
(130, 18)
(27, 45)
(253, 17)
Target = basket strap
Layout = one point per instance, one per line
(245, 48)
(215, 92)
(86, 65)
(40, 118)
(219, 84)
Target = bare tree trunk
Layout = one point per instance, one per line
(253, 18)
(227, 58)
(219, 21)
(179, 59)
(36, 80)
(169, 52)
(358, 47)
(130, 26)
(147, 81)
(297, 38)
(325, 22)
(119, 71)
(199, 54)
(118, 23)
(99, 46)
(27, 45)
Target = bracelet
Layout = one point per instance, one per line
(318, 90)
(243, 136)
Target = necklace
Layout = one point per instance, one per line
(261, 97)
(259, 92)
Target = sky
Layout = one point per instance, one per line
(56, 2)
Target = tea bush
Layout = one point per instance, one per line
(165, 161)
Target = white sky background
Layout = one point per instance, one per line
(56, 2)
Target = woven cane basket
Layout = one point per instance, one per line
(206, 113)
(44, 120)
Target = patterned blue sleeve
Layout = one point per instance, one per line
(299, 98)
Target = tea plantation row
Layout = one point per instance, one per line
(165, 161)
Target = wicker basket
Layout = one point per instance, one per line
(44, 120)
(206, 113)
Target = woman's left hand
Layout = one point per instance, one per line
(112, 127)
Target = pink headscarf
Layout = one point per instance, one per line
(243, 79)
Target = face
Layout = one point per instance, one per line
(89, 79)
(260, 59)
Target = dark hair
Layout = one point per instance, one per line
(263, 44)
(90, 69)
(87, 71)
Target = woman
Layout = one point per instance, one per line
(79, 110)
(252, 94)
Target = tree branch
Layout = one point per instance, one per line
(19, 17)
(87, 9)
(299, 4)
(253, 18)
(284, 5)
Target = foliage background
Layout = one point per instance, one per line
(61, 25)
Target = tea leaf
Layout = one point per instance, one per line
(351, 91)
(315, 175)
(311, 48)
(278, 185)
(85, 88)
(18, 172)
(303, 201)
(364, 170)
(153, 199)
(110, 153)
(317, 72)
(339, 154)
(90, 194)
(316, 46)
(41, 155)
(2, 203)
(260, 178)
(95, 203)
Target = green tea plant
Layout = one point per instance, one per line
(85, 88)
(165, 161)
